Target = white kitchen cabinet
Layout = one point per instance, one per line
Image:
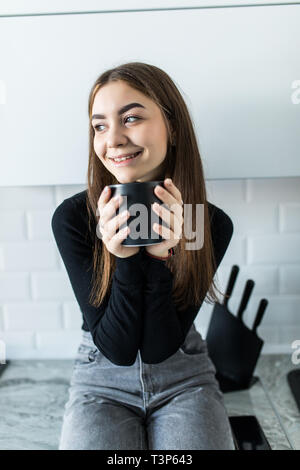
(236, 69)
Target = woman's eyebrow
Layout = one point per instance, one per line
(121, 111)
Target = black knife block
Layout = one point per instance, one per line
(233, 348)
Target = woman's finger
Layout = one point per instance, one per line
(164, 213)
(173, 221)
(166, 232)
(109, 209)
(170, 194)
(173, 190)
(115, 223)
(119, 237)
(104, 197)
(172, 216)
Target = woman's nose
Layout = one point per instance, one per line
(115, 135)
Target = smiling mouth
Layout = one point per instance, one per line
(127, 160)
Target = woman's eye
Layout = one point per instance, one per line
(125, 120)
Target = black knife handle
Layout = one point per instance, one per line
(260, 312)
(233, 275)
(245, 298)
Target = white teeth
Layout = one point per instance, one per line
(124, 158)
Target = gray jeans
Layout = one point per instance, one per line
(176, 404)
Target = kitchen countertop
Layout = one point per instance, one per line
(33, 394)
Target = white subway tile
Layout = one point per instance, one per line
(289, 280)
(26, 197)
(58, 344)
(290, 217)
(273, 190)
(39, 313)
(14, 286)
(236, 251)
(289, 334)
(253, 219)
(1, 320)
(1, 259)
(278, 348)
(12, 226)
(265, 278)
(281, 311)
(202, 319)
(32, 316)
(269, 334)
(49, 285)
(18, 344)
(66, 191)
(29, 256)
(274, 249)
(72, 315)
(61, 266)
(220, 192)
(39, 225)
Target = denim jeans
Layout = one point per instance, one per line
(176, 404)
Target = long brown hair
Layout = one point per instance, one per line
(193, 270)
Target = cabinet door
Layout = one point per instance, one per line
(235, 68)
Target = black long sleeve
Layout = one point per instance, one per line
(138, 311)
(164, 328)
(116, 325)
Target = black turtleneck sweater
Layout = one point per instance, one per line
(138, 312)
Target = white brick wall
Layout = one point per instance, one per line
(39, 315)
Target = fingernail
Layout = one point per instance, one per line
(168, 181)
(106, 189)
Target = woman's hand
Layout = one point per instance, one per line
(172, 213)
(108, 225)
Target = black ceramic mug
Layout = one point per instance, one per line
(138, 199)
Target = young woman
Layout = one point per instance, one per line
(142, 377)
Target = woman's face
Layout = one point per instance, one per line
(136, 129)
